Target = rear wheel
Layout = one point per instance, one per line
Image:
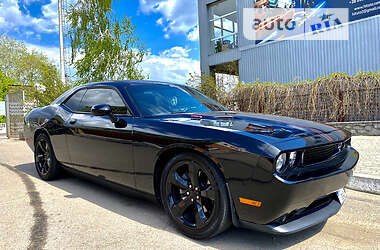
(194, 194)
(47, 165)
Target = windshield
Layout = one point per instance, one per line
(159, 99)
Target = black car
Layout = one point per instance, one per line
(209, 167)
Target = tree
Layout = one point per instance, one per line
(107, 47)
(206, 84)
(31, 70)
(10, 53)
(4, 84)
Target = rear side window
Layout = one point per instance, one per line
(103, 96)
(74, 101)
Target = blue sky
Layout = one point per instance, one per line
(168, 29)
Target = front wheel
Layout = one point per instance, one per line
(47, 165)
(194, 194)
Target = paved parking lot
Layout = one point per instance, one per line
(74, 214)
(369, 149)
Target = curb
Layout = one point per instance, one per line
(364, 183)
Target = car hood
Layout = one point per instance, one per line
(266, 125)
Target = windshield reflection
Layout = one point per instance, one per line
(162, 99)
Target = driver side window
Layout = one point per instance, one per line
(83, 100)
(74, 101)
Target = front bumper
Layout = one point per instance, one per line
(278, 198)
(298, 222)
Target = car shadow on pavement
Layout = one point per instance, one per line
(149, 213)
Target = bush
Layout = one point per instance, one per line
(2, 119)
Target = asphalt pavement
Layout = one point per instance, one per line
(71, 213)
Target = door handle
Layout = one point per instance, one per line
(72, 121)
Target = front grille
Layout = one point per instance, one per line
(318, 154)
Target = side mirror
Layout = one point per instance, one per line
(105, 110)
(101, 110)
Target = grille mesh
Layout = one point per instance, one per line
(318, 154)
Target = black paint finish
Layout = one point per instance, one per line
(243, 146)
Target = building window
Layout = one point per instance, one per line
(223, 25)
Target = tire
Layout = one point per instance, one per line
(46, 164)
(194, 194)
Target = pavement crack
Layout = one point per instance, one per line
(38, 235)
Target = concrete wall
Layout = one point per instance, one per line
(359, 128)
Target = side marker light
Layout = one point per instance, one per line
(250, 202)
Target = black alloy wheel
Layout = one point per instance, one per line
(195, 196)
(47, 165)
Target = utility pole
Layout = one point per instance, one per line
(61, 45)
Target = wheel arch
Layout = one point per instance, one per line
(38, 132)
(169, 152)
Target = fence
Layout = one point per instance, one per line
(336, 98)
(15, 109)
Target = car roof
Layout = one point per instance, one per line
(118, 84)
(127, 82)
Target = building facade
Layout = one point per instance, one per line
(224, 49)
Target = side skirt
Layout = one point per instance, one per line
(111, 185)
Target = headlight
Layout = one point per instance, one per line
(292, 158)
(280, 163)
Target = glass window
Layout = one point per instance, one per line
(74, 101)
(217, 32)
(218, 23)
(228, 25)
(223, 25)
(158, 99)
(103, 96)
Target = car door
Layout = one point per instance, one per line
(95, 145)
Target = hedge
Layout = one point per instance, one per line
(337, 97)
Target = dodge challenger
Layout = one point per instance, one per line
(209, 167)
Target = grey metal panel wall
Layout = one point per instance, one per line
(241, 4)
(204, 37)
(287, 61)
(225, 56)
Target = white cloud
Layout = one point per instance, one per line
(176, 52)
(172, 65)
(28, 2)
(50, 12)
(12, 18)
(160, 21)
(29, 33)
(53, 55)
(178, 16)
(193, 35)
(51, 52)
